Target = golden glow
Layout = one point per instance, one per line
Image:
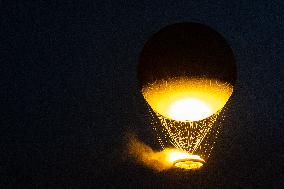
(162, 160)
(184, 99)
(188, 165)
(186, 109)
(184, 160)
(175, 155)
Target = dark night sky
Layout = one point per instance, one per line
(69, 93)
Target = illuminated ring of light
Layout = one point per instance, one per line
(188, 163)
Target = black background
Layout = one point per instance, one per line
(69, 93)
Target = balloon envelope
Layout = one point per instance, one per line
(186, 71)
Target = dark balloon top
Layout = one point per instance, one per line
(186, 50)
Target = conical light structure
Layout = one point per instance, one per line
(186, 74)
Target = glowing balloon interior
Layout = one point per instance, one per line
(184, 99)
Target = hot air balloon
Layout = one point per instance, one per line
(186, 73)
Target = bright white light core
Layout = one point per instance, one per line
(189, 109)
